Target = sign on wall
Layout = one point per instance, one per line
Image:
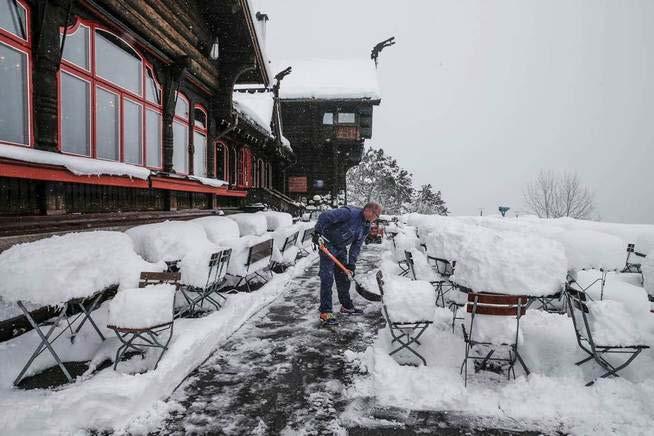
(297, 184)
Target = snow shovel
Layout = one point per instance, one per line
(361, 289)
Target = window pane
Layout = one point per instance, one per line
(13, 95)
(106, 131)
(200, 119)
(181, 107)
(133, 132)
(328, 118)
(76, 47)
(117, 62)
(12, 18)
(220, 162)
(180, 148)
(151, 90)
(346, 118)
(199, 155)
(75, 131)
(153, 138)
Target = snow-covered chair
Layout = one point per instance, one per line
(408, 307)
(448, 293)
(141, 318)
(251, 257)
(597, 341)
(303, 241)
(286, 254)
(211, 291)
(633, 267)
(494, 326)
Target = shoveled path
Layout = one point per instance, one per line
(282, 373)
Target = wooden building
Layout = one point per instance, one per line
(326, 108)
(127, 106)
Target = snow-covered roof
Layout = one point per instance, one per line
(256, 107)
(330, 79)
(80, 166)
(258, 31)
(215, 183)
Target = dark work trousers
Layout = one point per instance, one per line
(329, 273)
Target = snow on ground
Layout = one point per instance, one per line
(36, 272)
(116, 400)
(250, 223)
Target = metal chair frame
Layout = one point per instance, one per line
(493, 305)
(255, 253)
(404, 333)
(632, 267)
(211, 292)
(577, 304)
(139, 340)
(86, 306)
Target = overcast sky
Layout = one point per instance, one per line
(478, 96)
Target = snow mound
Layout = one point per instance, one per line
(277, 220)
(500, 262)
(240, 250)
(195, 267)
(612, 323)
(592, 249)
(279, 236)
(141, 308)
(250, 223)
(409, 300)
(169, 240)
(218, 228)
(616, 288)
(57, 269)
(647, 267)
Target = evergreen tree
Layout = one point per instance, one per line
(429, 202)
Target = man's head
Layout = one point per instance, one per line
(371, 211)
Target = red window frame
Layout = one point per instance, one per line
(203, 131)
(186, 123)
(96, 81)
(24, 46)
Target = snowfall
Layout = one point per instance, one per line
(519, 256)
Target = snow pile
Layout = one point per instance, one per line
(240, 250)
(421, 266)
(195, 267)
(215, 183)
(57, 269)
(616, 288)
(647, 267)
(405, 240)
(330, 79)
(80, 166)
(277, 220)
(142, 308)
(409, 300)
(304, 228)
(250, 223)
(169, 240)
(592, 249)
(611, 323)
(500, 262)
(255, 107)
(218, 228)
(279, 236)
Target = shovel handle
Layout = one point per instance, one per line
(336, 261)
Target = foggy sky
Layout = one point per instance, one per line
(478, 96)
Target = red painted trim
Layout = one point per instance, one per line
(28, 14)
(27, 170)
(192, 186)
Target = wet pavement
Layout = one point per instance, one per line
(283, 373)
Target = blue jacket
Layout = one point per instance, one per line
(342, 227)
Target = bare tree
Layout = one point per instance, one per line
(555, 195)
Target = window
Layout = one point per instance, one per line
(221, 161)
(181, 134)
(233, 165)
(346, 118)
(269, 175)
(200, 142)
(328, 118)
(15, 50)
(111, 109)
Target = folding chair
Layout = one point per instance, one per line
(139, 338)
(306, 237)
(196, 296)
(404, 333)
(84, 305)
(290, 241)
(445, 269)
(257, 252)
(496, 305)
(402, 263)
(579, 312)
(630, 267)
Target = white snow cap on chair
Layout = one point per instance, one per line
(218, 228)
(277, 220)
(169, 240)
(250, 223)
(409, 300)
(142, 308)
(330, 79)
